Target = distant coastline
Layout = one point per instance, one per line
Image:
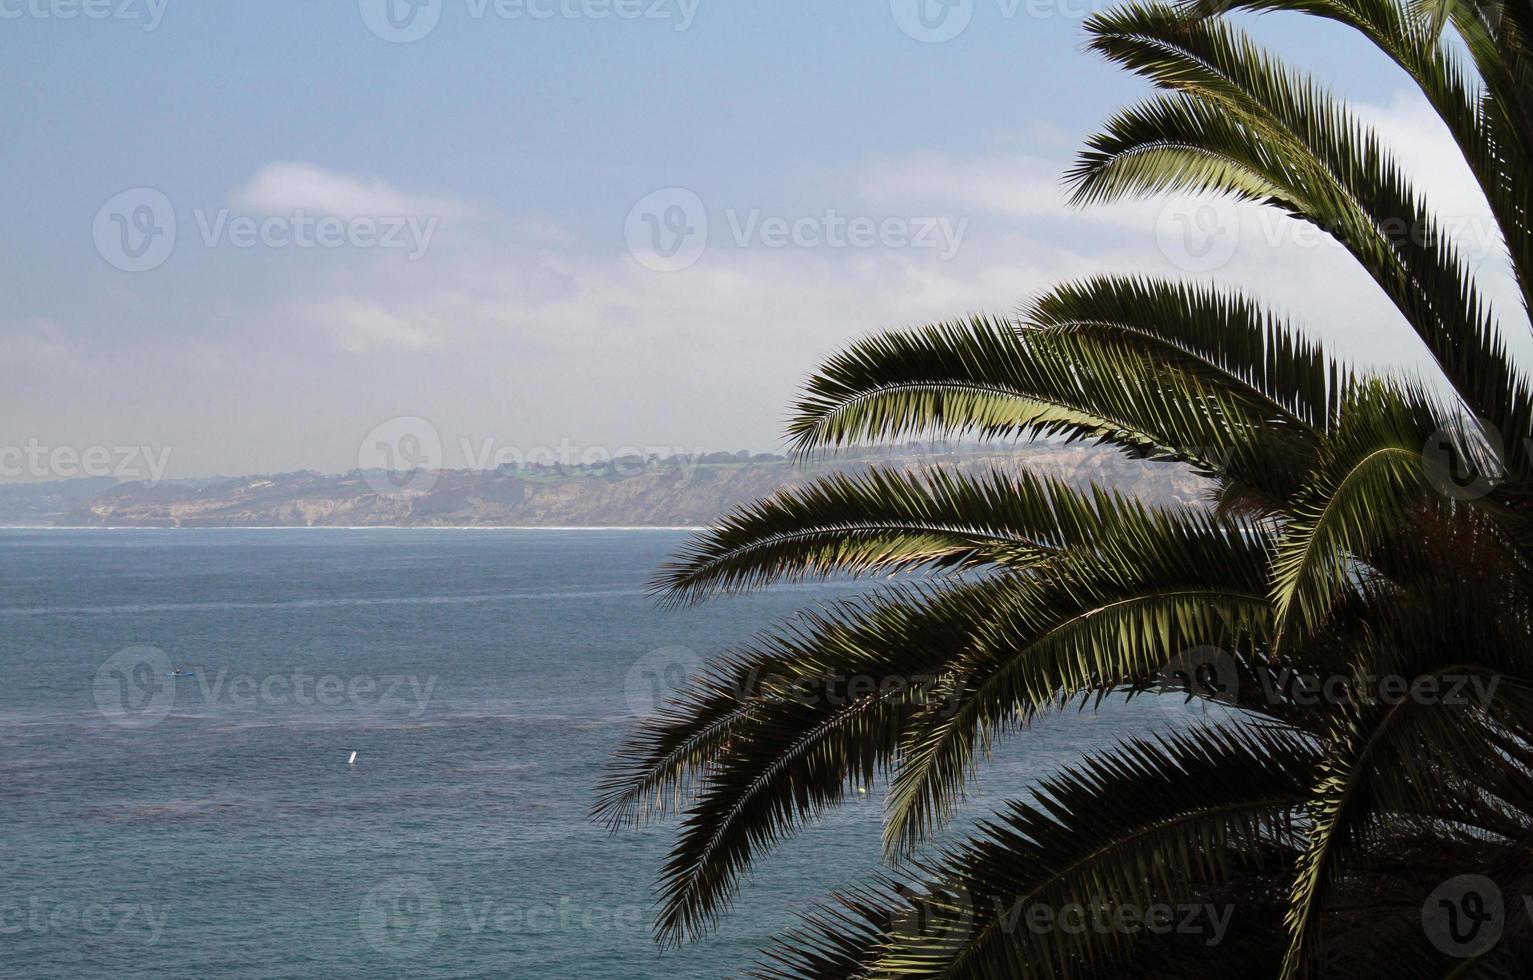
(674, 493)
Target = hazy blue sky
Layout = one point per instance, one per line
(494, 257)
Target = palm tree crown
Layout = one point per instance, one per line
(1370, 533)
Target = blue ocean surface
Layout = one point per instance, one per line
(211, 826)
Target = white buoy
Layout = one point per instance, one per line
(353, 760)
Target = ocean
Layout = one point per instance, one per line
(210, 824)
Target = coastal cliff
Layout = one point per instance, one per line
(675, 491)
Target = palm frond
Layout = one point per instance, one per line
(771, 737)
(1222, 333)
(1428, 756)
(1489, 117)
(1109, 619)
(885, 521)
(988, 377)
(1243, 125)
(1150, 822)
(1368, 481)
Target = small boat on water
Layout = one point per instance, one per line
(178, 672)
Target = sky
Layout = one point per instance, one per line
(261, 237)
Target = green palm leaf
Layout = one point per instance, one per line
(885, 521)
(1110, 619)
(1323, 814)
(1147, 823)
(1245, 126)
(989, 377)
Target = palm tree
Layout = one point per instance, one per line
(1332, 830)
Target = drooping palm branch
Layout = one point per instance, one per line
(1330, 549)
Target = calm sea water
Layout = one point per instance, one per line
(210, 825)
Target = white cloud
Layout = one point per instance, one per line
(1012, 185)
(1283, 261)
(281, 188)
(545, 232)
(530, 332)
(363, 325)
